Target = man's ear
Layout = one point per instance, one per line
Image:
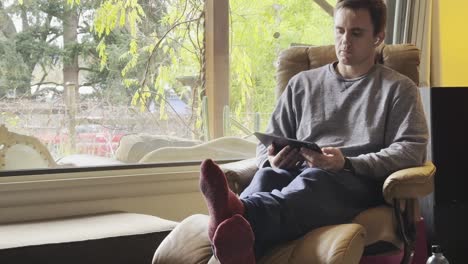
(379, 38)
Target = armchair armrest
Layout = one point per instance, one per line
(239, 173)
(409, 183)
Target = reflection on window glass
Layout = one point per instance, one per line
(119, 80)
(84, 75)
(259, 31)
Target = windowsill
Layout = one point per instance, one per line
(168, 191)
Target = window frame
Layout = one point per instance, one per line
(217, 63)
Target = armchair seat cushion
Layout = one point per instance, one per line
(380, 225)
(188, 243)
(329, 244)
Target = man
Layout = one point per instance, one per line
(368, 120)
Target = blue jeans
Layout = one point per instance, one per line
(283, 205)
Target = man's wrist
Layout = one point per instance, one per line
(348, 166)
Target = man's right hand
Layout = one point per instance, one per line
(287, 158)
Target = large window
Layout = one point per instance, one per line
(90, 77)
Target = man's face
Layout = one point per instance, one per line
(354, 37)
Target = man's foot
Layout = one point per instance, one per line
(221, 201)
(233, 241)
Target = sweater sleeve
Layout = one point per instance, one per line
(282, 123)
(406, 137)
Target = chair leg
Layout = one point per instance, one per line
(407, 231)
(419, 256)
(407, 255)
(420, 252)
(413, 234)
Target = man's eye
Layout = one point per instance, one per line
(357, 33)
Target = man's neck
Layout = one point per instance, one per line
(352, 72)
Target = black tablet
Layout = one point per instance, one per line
(281, 142)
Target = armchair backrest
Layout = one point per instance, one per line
(403, 58)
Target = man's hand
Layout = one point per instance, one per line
(287, 158)
(331, 160)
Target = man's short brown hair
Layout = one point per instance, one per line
(377, 10)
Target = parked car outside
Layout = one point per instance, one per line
(90, 139)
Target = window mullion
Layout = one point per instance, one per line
(217, 63)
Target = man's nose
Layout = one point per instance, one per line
(346, 37)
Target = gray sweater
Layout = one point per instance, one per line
(377, 119)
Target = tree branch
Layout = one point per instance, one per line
(87, 69)
(157, 45)
(325, 6)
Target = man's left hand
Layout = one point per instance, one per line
(331, 160)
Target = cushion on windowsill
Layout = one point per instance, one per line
(115, 237)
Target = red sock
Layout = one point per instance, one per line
(233, 241)
(221, 201)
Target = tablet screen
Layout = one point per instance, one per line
(281, 142)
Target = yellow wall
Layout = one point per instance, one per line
(451, 39)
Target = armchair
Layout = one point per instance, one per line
(384, 234)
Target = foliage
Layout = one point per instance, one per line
(160, 51)
(259, 31)
(32, 46)
(70, 2)
(13, 71)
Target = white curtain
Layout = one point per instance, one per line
(401, 11)
(421, 36)
(412, 24)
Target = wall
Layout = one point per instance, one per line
(450, 55)
(449, 115)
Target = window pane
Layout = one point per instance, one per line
(101, 78)
(259, 31)
(117, 83)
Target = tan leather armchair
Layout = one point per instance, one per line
(375, 231)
